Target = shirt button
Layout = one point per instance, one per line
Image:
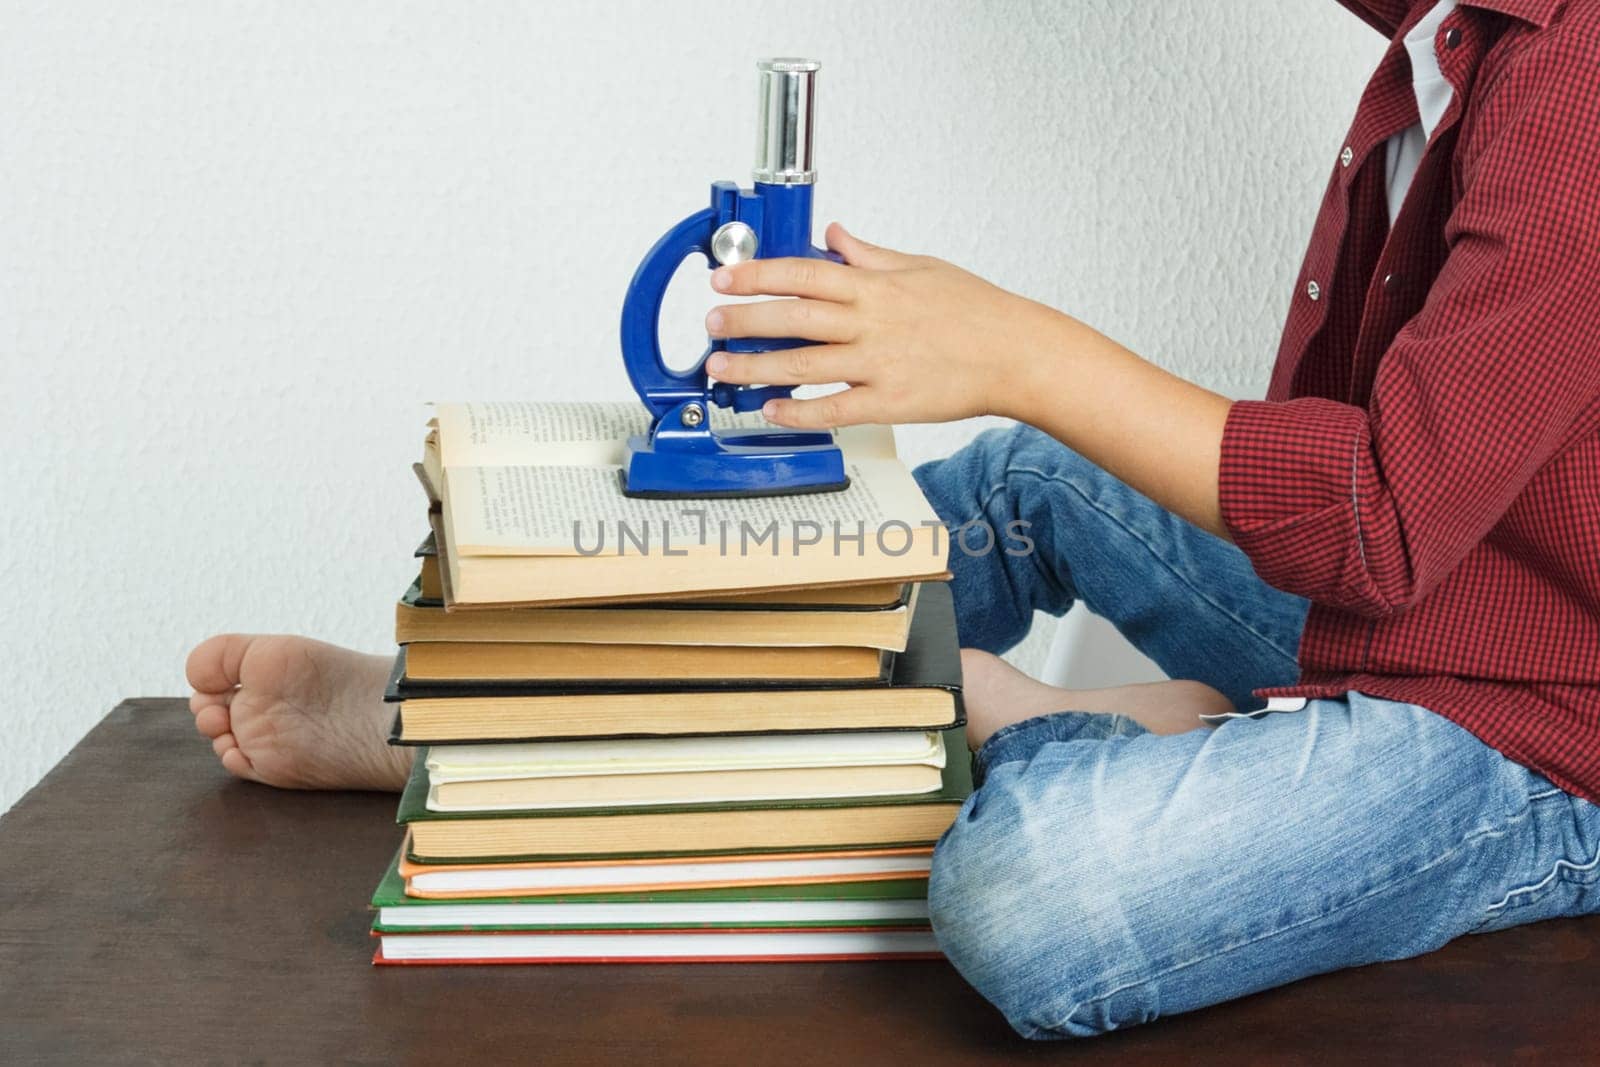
(1346, 156)
(1388, 281)
(1452, 37)
(1313, 290)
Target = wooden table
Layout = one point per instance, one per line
(154, 910)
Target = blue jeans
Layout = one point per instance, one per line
(1102, 876)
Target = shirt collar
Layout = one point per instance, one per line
(1538, 12)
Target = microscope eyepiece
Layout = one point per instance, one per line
(783, 123)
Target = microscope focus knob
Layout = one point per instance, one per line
(733, 242)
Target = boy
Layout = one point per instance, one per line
(1413, 507)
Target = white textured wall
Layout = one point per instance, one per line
(240, 243)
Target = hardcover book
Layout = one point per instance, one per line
(532, 512)
(902, 903)
(491, 665)
(875, 616)
(654, 946)
(622, 874)
(921, 692)
(686, 828)
(652, 771)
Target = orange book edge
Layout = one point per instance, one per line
(408, 868)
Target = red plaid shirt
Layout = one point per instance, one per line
(1426, 465)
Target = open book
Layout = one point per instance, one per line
(532, 512)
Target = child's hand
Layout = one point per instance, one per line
(918, 340)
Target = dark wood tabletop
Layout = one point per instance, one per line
(154, 910)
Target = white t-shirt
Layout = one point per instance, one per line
(1404, 150)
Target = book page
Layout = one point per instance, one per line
(580, 510)
(489, 433)
(582, 433)
(866, 442)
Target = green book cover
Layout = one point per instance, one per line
(898, 903)
(956, 784)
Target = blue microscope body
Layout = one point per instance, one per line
(682, 455)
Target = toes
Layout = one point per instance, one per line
(235, 762)
(212, 721)
(213, 666)
(198, 702)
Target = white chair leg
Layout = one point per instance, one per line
(1088, 653)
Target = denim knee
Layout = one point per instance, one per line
(970, 478)
(1003, 549)
(1032, 922)
(1002, 451)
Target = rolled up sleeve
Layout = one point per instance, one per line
(1369, 508)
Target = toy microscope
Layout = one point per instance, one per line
(683, 454)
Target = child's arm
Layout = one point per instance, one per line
(922, 341)
(1362, 507)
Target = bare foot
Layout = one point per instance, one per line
(997, 694)
(296, 713)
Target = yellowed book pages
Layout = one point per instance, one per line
(516, 661)
(580, 511)
(750, 829)
(563, 433)
(693, 787)
(490, 718)
(877, 595)
(586, 433)
(430, 580)
(726, 622)
(550, 581)
(673, 755)
(576, 593)
(658, 873)
(538, 485)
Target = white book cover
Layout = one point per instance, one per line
(685, 946)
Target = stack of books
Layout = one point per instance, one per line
(666, 730)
